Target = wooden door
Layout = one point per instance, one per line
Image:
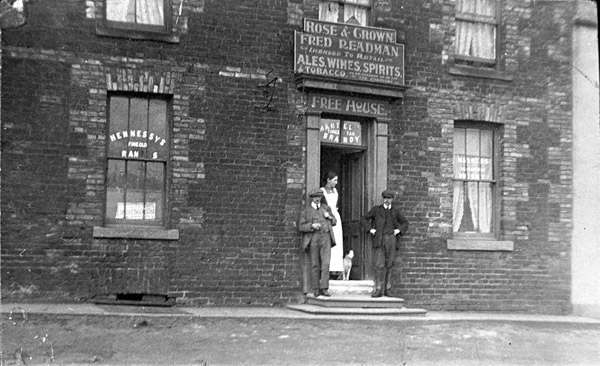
(353, 181)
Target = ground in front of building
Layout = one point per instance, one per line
(139, 340)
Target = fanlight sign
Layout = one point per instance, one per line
(335, 131)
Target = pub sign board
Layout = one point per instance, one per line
(349, 105)
(344, 51)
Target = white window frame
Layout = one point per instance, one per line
(493, 230)
(483, 241)
(466, 18)
(139, 26)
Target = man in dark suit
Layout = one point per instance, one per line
(316, 221)
(386, 224)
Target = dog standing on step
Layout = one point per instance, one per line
(348, 265)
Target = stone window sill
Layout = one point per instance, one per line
(480, 244)
(480, 73)
(135, 232)
(136, 34)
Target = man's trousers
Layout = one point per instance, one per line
(384, 258)
(320, 255)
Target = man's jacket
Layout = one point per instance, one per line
(310, 215)
(375, 219)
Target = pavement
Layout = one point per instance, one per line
(86, 333)
(25, 309)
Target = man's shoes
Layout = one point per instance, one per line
(377, 293)
(325, 293)
(317, 293)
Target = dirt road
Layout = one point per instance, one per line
(138, 340)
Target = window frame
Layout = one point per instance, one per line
(495, 226)
(342, 3)
(464, 65)
(130, 223)
(474, 18)
(137, 26)
(138, 31)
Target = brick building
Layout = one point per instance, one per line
(167, 146)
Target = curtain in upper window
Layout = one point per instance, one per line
(328, 11)
(476, 26)
(150, 12)
(355, 14)
(349, 11)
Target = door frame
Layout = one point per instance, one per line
(376, 156)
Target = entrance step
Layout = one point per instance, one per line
(354, 298)
(324, 310)
(355, 301)
(339, 287)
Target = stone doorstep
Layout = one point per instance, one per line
(339, 287)
(324, 310)
(354, 298)
(355, 301)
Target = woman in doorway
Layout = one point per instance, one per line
(331, 198)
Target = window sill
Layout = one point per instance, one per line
(136, 34)
(480, 73)
(480, 244)
(135, 232)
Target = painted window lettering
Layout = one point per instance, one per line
(334, 131)
(136, 161)
(139, 134)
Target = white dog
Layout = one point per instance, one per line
(348, 265)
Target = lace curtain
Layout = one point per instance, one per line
(329, 11)
(477, 197)
(136, 11)
(354, 14)
(477, 36)
(473, 173)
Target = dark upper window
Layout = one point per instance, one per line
(477, 32)
(474, 209)
(136, 160)
(355, 12)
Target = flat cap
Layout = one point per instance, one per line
(316, 192)
(388, 193)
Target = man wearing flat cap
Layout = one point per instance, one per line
(316, 221)
(386, 224)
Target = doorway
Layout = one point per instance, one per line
(362, 171)
(350, 165)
